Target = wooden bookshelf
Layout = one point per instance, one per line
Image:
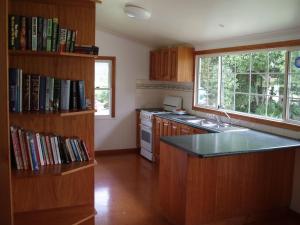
(62, 216)
(56, 194)
(50, 54)
(59, 113)
(55, 170)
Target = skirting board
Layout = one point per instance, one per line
(117, 151)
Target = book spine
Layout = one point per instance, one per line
(82, 154)
(29, 33)
(63, 147)
(54, 152)
(26, 92)
(17, 32)
(20, 90)
(68, 41)
(45, 150)
(49, 148)
(73, 100)
(62, 39)
(73, 40)
(23, 37)
(45, 34)
(51, 93)
(15, 147)
(49, 36)
(34, 95)
(65, 94)
(23, 149)
(13, 75)
(54, 34)
(33, 152)
(39, 148)
(42, 97)
(40, 23)
(76, 150)
(56, 94)
(27, 135)
(70, 150)
(81, 94)
(58, 150)
(85, 150)
(11, 33)
(34, 30)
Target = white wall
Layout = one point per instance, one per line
(132, 62)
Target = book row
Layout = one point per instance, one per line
(40, 34)
(32, 150)
(31, 92)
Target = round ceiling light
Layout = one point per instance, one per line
(137, 12)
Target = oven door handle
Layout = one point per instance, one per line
(146, 128)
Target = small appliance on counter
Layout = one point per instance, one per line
(170, 104)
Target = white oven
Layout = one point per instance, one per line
(146, 137)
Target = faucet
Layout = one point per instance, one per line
(221, 108)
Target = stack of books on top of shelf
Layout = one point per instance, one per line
(30, 92)
(32, 150)
(39, 34)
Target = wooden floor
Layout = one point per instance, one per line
(126, 193)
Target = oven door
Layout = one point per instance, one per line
(146, 137)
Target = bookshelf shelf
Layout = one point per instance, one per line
(49, 54)
(55, 170)
(60, 114)
(62, 216)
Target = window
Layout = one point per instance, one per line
(261, 84)
(104, 86)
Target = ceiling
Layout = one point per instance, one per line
(198, 21)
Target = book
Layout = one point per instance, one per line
(62, 39)
(73, 40)
(19, 90)
(85, 150)
(13, 82)
(33, 151)
(44, 149)
(86, 49)
(16, 148)
(81, 95)
(76, 150)
(34, 30)
(49, 149)
(40, 23)
(49, 93)
(42, 98)
(54, 34)
(58, 150)
(29, 33)
(65, 95)
(73, 95)
(56, 94)
(49, 36)
(65, 158)
(11, 32)
(23, 149)
(26, 92)
(45, 34)
(23, 37)
(80, 150)
(27, 143)
(68, 40)
(39, 148)
(34, 94)
(17, 31)
(53, 148)
(70, 150)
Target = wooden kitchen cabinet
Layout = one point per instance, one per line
(138, 130)
(172, 64)
(158, 130)
(199, 131)
(185, 130)
(175, 129)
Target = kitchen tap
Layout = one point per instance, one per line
(221, 108)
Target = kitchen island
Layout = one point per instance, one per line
(225, 178)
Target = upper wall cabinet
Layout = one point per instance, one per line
(172, 64)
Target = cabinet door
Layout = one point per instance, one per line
(173, 55)
(166, 128)
(175, 129)
(152, 65)
(199, 131)
(138, 130)
(185, 130)
(165, 65)
(157, 133)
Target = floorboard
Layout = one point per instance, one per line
(126, 192)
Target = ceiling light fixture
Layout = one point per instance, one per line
(137, 12)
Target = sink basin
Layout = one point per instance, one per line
(186, 118)
(194, 120)
(208, 124)
(232, 129)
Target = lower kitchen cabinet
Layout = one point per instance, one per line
(165, 127)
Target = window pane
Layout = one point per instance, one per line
(228, 64)
(242, 83)
(259, 84)
(275, 107)
(102, 102)
(242, 103)
(208, 82)
(276, 84)
(295, 60)
(277, 61)
(102, 74)
(294, 96)
(258, 105)
(259, 62)
(243, 63)
(228, 101)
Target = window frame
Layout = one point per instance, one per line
(282, 123)
(112, 60)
